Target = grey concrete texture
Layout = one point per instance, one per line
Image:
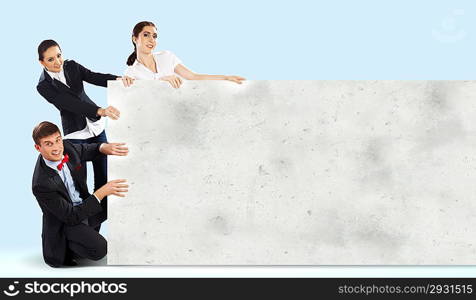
(294, 173)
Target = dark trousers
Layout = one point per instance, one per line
(100, 172)
(84, 242)
(100, 163)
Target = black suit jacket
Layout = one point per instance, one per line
(72, 102)
(57, 206)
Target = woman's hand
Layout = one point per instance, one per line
(174, 81)
(126, 80)
(110, 112)
(235, 78)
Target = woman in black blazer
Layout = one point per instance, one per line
(61, 84)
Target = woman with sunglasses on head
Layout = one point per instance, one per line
(143, 63)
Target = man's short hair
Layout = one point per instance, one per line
(45, 45)
(44, 129)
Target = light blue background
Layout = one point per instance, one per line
(256, 39)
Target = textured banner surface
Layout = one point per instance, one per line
(294, 173)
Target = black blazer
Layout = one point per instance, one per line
(72, 102)
(57, 206)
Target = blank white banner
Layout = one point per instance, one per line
(294, 173)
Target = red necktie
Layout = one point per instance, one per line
(65, 160)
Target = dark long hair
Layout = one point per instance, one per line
(135, 33)
(45, 45)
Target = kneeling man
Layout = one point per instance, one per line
(71, 215)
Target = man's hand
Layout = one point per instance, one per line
(126, 80)
(110, 112)
(114, 149)
(114, 187)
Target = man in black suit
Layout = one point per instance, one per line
(71, 215)
(61, 84)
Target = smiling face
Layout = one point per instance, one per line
(51, 147)
(146, 40)
(52, 59)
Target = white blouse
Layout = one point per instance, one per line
(92, 129)
(165, 62)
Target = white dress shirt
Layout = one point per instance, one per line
(165, 62)
(92, 129)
